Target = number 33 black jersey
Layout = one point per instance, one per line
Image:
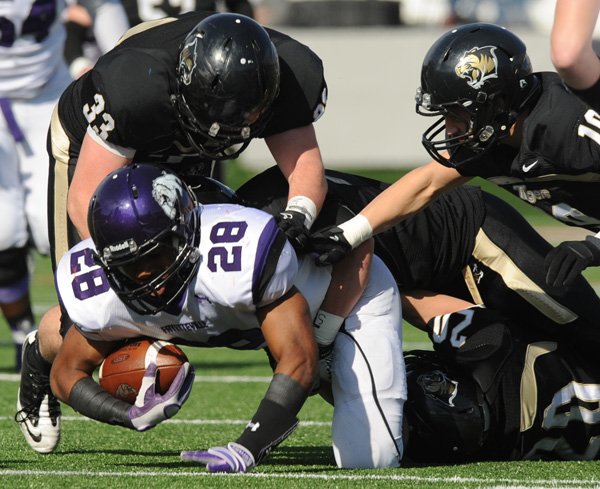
(126, 98)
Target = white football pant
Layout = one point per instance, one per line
(369, 378)
(24, 168)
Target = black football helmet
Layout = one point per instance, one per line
(227, 80)
(145, 223)
(478, 73)
(447, 416)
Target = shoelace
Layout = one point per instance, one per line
(31, 411)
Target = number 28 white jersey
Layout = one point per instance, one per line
(245, 263)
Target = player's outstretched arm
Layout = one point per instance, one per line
(405, 197)
(571, 43)
(287, 328)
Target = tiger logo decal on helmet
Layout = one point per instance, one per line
(478, 65)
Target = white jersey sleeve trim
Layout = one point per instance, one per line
(128, 153)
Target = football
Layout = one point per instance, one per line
(122, 371)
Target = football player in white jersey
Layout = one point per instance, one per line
(160, 265)
(32, 76)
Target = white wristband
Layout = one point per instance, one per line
(326, 327)
(306, 206)
(356, 230)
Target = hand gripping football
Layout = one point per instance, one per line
(122, 371)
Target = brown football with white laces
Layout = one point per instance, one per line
(122, 371)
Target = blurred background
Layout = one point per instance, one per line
(372, 51)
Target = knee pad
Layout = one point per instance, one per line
(14, 275)
(13, 266)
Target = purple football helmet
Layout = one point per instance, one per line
(145, 223)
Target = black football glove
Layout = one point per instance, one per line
(292, 224)
(331, 245)
(565, 262)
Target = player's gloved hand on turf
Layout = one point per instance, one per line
(296, 220)
(335, 242)
(565, 262)
(150, 407)
(231, 458)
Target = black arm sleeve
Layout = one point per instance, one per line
(74, 42)
(89, 399)
(590, 96)
(275, 418)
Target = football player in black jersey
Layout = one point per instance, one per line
(470, 269)
(468, 244)
(497, 119)
(183, 91)
(494, 389)
(187, 91)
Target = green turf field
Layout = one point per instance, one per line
(228, 388)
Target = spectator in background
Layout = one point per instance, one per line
(572, 52)
(93, 28)
(32, 77)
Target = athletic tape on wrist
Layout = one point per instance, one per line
(326, 327)
(304, 205)
(357, 230)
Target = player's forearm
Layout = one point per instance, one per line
(297, 154)
(571, 42)
(77, 389)
(410, 194)
(90, 400)
(308, 179)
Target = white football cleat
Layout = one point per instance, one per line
(38, 410)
